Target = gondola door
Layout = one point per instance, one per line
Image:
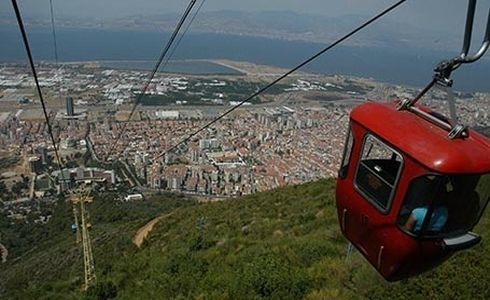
(365, 191)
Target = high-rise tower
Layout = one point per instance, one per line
(69, 107)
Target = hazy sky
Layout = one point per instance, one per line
(445, 15)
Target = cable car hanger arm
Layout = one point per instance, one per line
(464, 58)
(443, 72)
(445, 67)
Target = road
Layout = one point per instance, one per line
(126, 169)
(90, 148)
(32, 186)
(129, 174)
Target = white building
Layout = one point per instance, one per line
(133, 197)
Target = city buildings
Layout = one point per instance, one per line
(289, 140)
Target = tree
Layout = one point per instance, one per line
(17, 188)
(102, 290)
(3, 188)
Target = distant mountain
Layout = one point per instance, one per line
(295, 26)
(285, 25)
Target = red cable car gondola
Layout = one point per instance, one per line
(412, 185)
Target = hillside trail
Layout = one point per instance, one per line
(143, 232)
(3, 253)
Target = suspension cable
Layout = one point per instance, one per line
(183, 34)
(299, 66)
(152, 75)
(38, 87)
(176, 45)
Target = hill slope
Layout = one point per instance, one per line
(282, 244)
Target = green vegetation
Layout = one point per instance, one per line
(202, 93)
(19, 187)
(8, 161)
(45, 262)
(281, 244)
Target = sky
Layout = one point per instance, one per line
(108, 8)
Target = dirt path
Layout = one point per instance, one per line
(3, 253)
(141, 234)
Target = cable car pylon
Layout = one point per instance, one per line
(80, 198)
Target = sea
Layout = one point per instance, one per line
(405, 66)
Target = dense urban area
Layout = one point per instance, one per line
(293, 133)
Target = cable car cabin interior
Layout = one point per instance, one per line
(407, 195)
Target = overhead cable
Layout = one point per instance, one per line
(38, 87)
(299, 66)
(152, 75)
(183, 34)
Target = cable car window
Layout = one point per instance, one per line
(378, 172)
(349, 142)
(444, 205)
(426, 196)
(468, 195)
